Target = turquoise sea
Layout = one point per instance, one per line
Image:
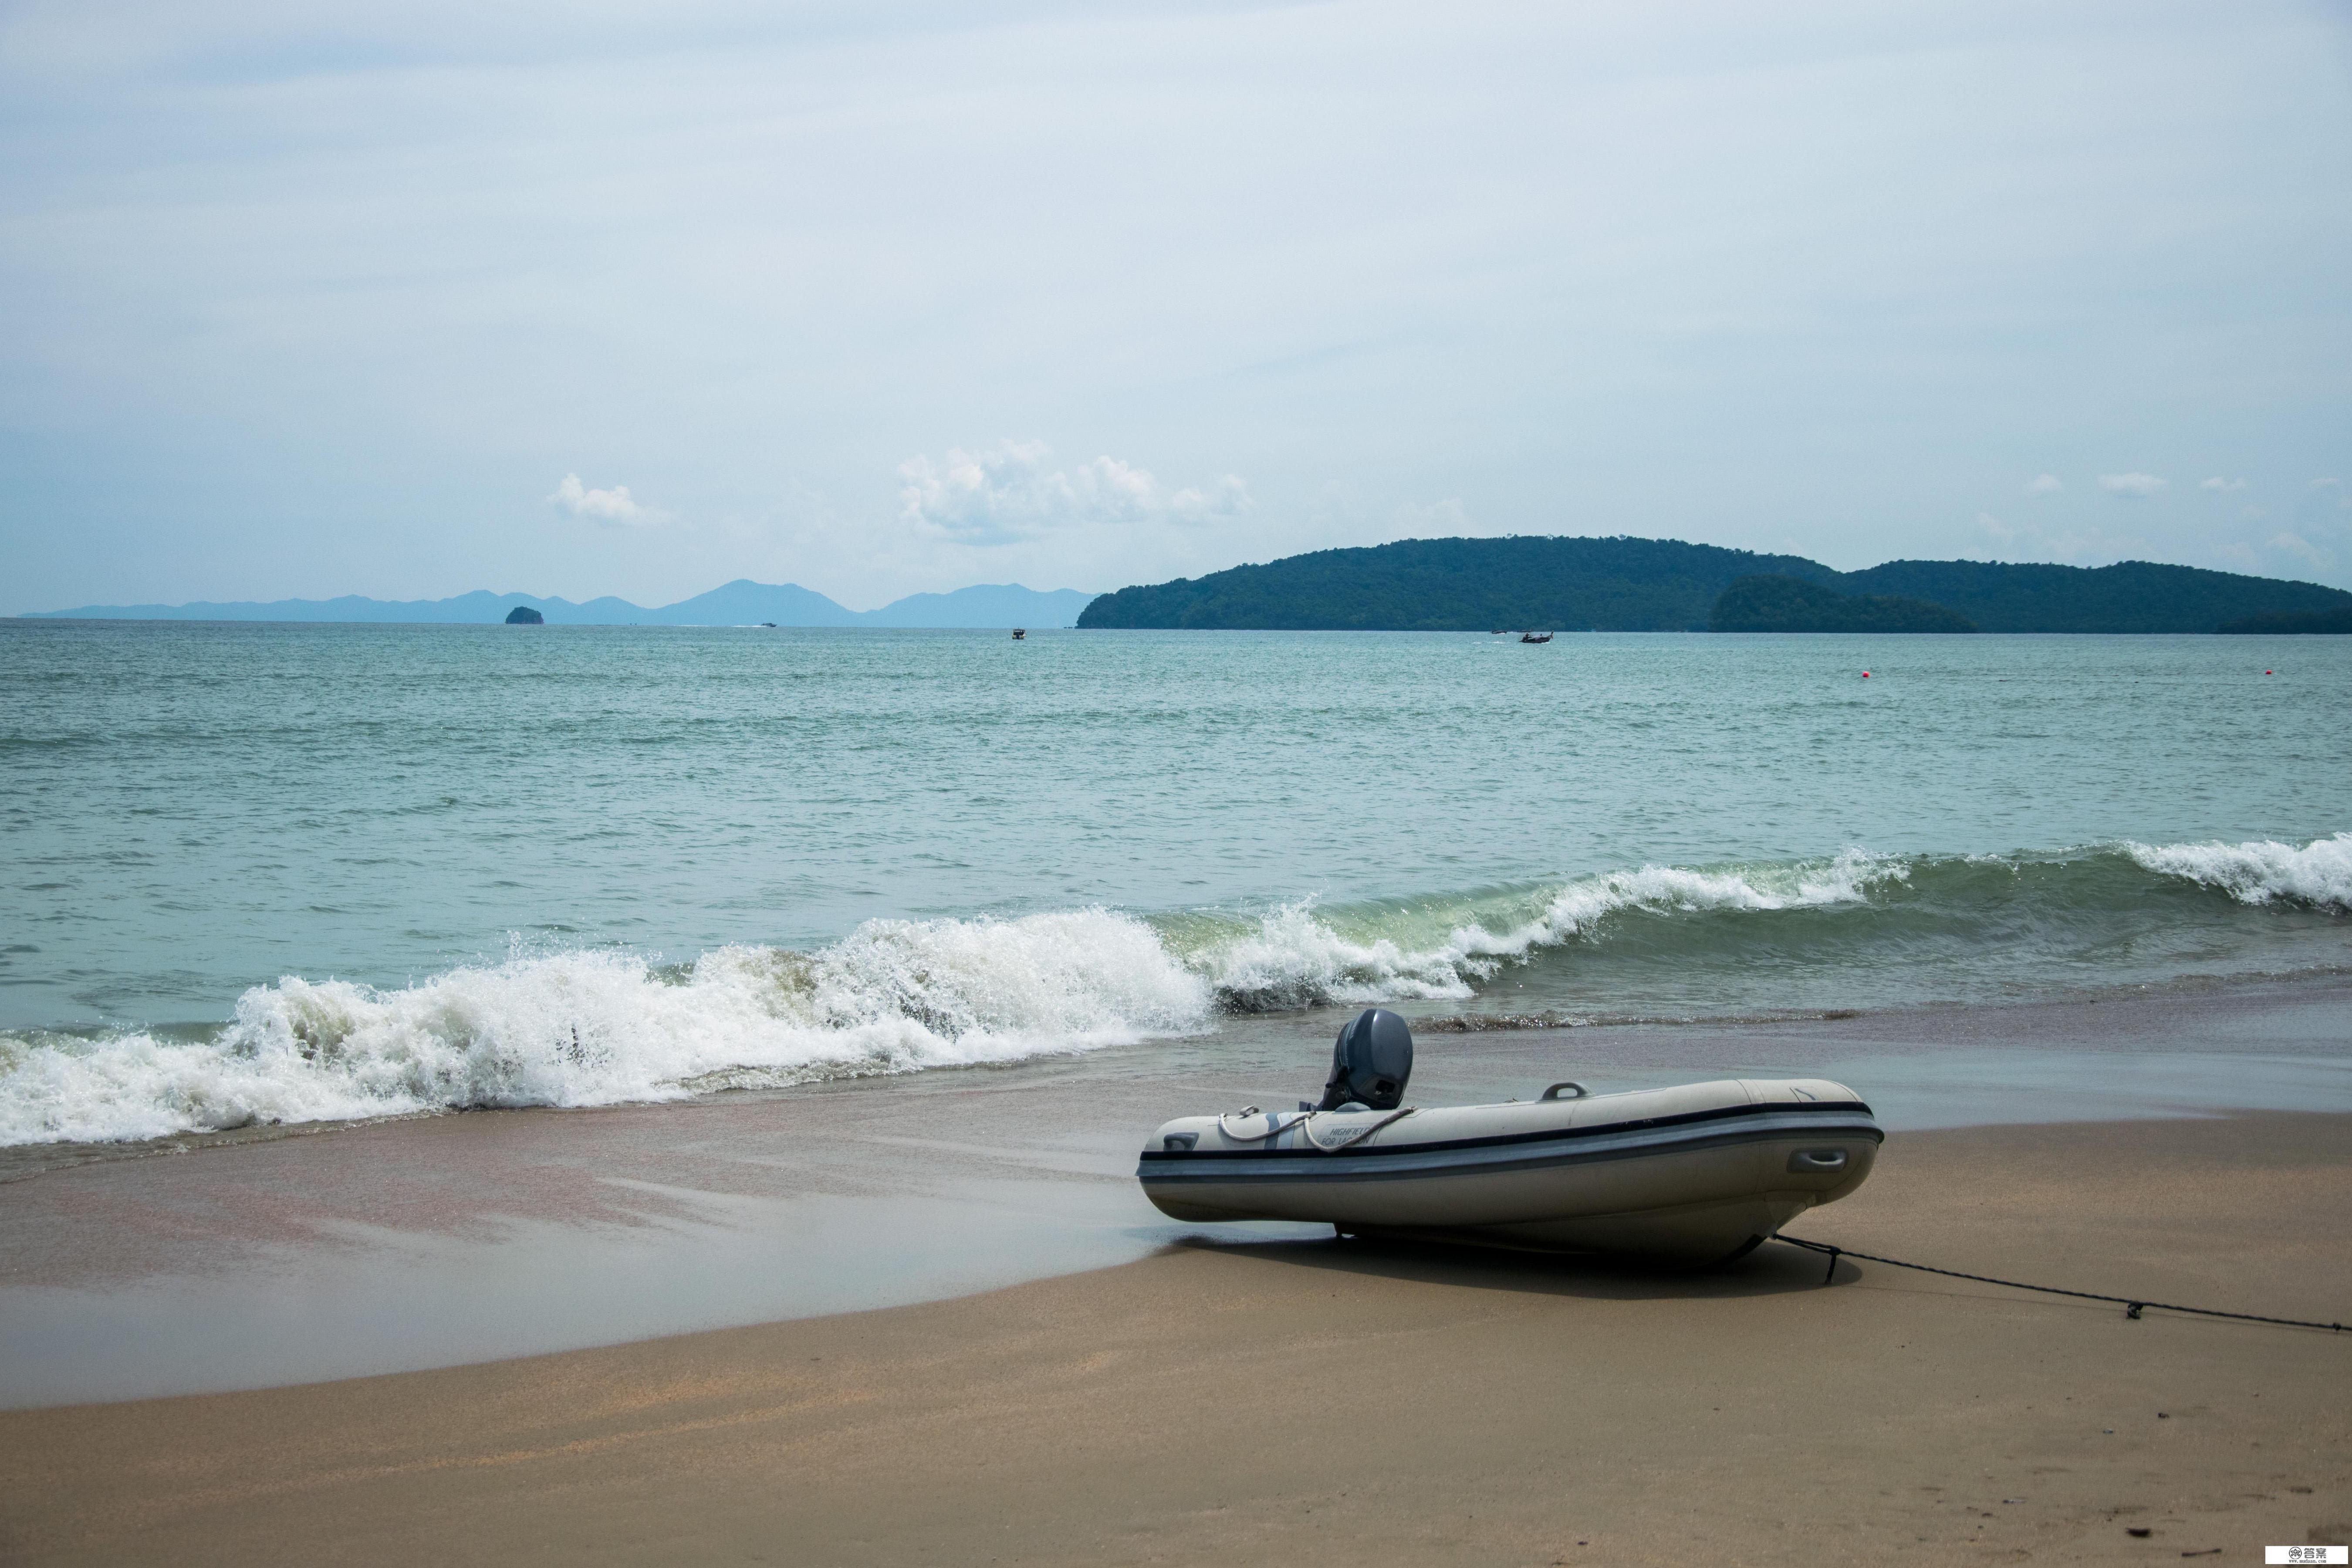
(279, 874)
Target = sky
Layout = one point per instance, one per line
(901, 295)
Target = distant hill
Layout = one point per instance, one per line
(2131, 596)
(1458, 585)
(742, 603)
(1659, 584)
(1004, 605)
(1778, 604)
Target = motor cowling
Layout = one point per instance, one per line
(1371, 1062)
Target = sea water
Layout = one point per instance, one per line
(271, 875)
(802, 972)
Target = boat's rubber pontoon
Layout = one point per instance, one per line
(1699, 1174)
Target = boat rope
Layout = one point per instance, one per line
(1350, 1142)
(2132, 1307)
(1301, 1120)
(1274, 1124)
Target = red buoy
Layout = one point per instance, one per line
(1865, 674)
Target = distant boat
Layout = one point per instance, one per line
(1530, 636)
(769, 625)
(1020, 633)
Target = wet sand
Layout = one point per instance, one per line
(259, 1260)
(1328, 1401)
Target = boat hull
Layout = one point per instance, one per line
(1694, 1174)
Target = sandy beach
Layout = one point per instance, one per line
(711, 710)
(1334, 1403)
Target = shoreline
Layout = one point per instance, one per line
(1352, 1402)
(2020, 1020)
(449, 1240)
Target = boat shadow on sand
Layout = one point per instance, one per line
(1772, 1269)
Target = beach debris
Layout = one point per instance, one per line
(2142, 1531)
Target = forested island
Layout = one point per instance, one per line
(1662, 584)
(1773, 603)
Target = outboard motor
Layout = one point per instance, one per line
(1371, 1063)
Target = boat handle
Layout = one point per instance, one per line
(1817, 1160)
(1553, 1092)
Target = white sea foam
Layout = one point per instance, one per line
(1295, 958)
(2320, 873)
(602, 1028)
(596, 1028)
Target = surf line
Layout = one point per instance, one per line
(2132, 1308)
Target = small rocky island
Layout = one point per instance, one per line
(524, 616)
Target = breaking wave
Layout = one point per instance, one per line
(1300, 957)
(2319, 874)
(599, 1027)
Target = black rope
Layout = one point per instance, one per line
(2131, 1309)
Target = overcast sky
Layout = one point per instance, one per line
(882, 297)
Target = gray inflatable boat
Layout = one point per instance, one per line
(1697, 1174)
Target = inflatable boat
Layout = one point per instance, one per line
(1697, 1174)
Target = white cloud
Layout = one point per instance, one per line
(615, 506)
(1009, 492)
(2302, 549)
(2130, 487)
(2217, 483)
(2076, 546)
(2045, 484)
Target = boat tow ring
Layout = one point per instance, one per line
(1554, 1091)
